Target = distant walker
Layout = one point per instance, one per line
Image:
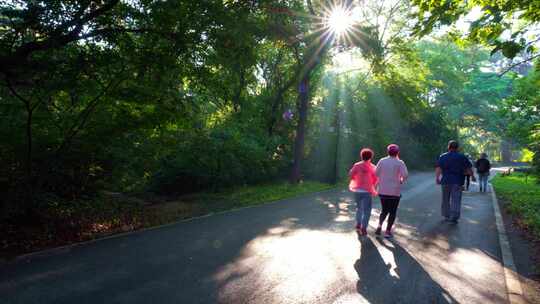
(483, 166)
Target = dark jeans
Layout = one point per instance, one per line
(451, 201)
(389, 206)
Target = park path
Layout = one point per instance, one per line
(301, 250)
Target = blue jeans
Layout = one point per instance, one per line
(363, 208)
(483, 179)
(451, 201)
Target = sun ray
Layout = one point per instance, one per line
(339, 20)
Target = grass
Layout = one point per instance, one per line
(521, 193)
(206, 203)
(254, 195)
(62, 222)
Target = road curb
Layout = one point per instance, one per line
(66, 248)
(513, 285)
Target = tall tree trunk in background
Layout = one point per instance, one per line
(276, 102)
(506, 151)
(303, 102)
(311, 59)
(339, 121)
(337, 129)
(28, 169)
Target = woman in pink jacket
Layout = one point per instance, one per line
(392, 173)
(362, 182)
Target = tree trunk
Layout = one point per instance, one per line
(29, 185)
(303, 101)
(506, 151)
(28, 144)
(337, 151)
(277, 101)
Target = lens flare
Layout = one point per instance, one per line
(339, 20)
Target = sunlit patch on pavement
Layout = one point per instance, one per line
(290, 267)
(351, 298)
(469, 269)
(343, 218)
(389, 258)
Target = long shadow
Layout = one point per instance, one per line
(404, 282)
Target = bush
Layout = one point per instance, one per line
(214, 160)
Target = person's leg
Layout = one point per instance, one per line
(393, 211)
(455, 202)
(385, 210)
(479, 183)
(481, 177)
(366, 210)
(358, 200)
(467, 182)
(484, 181)
(445, 203)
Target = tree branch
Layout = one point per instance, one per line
(83, 117)
(16, 94)
(56, 39)
(509, 68)
(310, 7)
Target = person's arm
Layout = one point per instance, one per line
(378, 169)
(352, 172)
(469, 171)
(374, 177)
(438, 173)
(404, 172)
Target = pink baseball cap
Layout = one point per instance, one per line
(392, 149)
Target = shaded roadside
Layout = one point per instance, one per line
(526, 252)
(524, 244)
(111, 214)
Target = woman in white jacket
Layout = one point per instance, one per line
(392, 173)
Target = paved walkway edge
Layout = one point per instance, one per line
(513, 285)
(68, 247)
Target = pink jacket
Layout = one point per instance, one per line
(363, 177)
(392, 172)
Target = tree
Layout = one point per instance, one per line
(507, 26)
(521, 113)
(103, 89)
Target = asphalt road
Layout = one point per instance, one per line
(301, 250)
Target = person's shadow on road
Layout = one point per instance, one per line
(404, 282)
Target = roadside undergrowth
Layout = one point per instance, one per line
(60, 222)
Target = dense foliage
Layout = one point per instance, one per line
(509, 28)
(175, 97)
(522, 111)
